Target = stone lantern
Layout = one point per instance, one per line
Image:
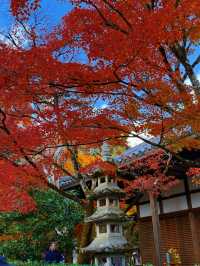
(109, 246)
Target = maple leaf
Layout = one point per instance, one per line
(137, 59)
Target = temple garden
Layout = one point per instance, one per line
(100, 132)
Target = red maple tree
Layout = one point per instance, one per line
(140, 75)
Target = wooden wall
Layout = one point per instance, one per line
(175, 233)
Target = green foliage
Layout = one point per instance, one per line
(36, 263)
(34, 231)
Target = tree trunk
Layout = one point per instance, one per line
(156, 228)
(86, 235)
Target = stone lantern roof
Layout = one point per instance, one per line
(107, 214)
(99, 168)
(111, 244)
(107, 189)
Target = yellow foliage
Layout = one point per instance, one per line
(196, 180)
(84, 159)
(175, 256)
(132, 211)
(68, 165)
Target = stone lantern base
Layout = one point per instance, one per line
(112, 260)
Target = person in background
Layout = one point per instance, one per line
(53, 255)
(3, 261)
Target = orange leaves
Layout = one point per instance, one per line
(15, 182)
(17, 201)
(154, 183)
(78, 230)
(150, 174)
(100, 167)
(23, 8)
(14, 198)
(185, 143)
(13, 237)
(195, 34)
(126, 44)
(194, 173)
(110, 68)
(16, 5)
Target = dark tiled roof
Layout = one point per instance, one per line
(68, 182)
(136, 151)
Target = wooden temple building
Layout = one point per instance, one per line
(178, 224)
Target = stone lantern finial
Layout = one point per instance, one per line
(106, 152)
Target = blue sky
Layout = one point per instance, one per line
(5, 18)
(54, 10)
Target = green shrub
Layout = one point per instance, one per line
(37, 263)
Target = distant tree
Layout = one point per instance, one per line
(27, 236)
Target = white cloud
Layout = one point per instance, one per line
(188, 83)
(16, 37)
(103, 106)
(133, 141)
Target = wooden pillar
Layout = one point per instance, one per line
(195, 237)
(193, 224)
(156, 228)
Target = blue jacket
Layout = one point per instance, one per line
(52, 256)
(3, 261)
